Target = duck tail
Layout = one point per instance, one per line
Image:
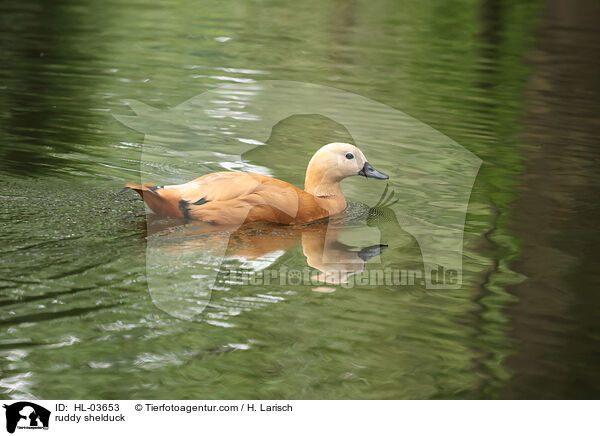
(166, 205)
(146, 187)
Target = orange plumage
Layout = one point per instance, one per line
(237, 198)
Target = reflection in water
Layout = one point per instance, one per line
(37, 98)
(558, 211)
(188, 260)
(335, 260)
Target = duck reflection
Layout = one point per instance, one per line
(193, 266)
(259, 245)
(334, 260)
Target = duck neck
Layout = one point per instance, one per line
(326, 190)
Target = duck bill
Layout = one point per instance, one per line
(369, 171)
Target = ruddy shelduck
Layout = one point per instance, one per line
(238, 197)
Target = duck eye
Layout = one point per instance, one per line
(349, 156)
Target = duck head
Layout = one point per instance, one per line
(334, 162)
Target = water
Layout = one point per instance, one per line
(514, 84)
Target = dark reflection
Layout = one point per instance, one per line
(557, 316)
(42, 98)
(44, 316)
(491, 33)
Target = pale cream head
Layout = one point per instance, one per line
(334, 162)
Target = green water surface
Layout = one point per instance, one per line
(514, 83)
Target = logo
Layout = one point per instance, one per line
(234, 128)
(26, 415)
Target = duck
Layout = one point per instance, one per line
(235, 198)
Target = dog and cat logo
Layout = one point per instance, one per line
(26, 415)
